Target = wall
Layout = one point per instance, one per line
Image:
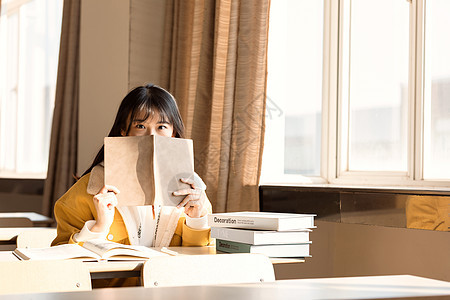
(146, 41)
(340, 249)
(120, 47)
(104, 48)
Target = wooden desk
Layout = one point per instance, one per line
(124, 269)
(371, 287)
(37, 219)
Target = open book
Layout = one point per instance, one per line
(93, 250)
(148, 169)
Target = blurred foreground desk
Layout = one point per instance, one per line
(36, 219)
(371, 287)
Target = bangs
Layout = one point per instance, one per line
(148, 110)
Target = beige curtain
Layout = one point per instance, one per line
(215, 64)
(63, 144)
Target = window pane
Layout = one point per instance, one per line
(294, 104)
(437, 90)
(29, 39)
(376, 51)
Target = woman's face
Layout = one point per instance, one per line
(153, 125)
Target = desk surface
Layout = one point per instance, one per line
(371, 287)
(36, 218)
(121, 269)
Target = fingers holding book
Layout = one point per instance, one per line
(105, 202)
(195, 200)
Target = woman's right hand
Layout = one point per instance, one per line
(105, 202)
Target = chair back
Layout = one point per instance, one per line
(38, 238)
(15, 222)
(43, 276)
(186, 270)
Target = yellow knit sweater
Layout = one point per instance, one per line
(76, 207)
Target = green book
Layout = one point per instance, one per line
(281, 250)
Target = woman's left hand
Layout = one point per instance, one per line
(195, 201)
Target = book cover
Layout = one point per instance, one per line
(260, 237)
(93, 250)
(262, 220)
(286, 250)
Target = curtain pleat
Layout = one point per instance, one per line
(63, 144)
(215, 63)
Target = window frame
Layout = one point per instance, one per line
(333, 169)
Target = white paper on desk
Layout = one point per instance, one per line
(147, 169)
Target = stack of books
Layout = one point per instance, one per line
(272, 234)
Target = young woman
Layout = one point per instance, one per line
(88, 209)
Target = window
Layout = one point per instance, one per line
(375, 89)
(293, 120)
(374, 108)
(436, 90)
(29, 49)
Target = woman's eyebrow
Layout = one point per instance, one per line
(163, 122)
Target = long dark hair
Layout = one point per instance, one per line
(143, 99)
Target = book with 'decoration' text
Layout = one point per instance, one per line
(279, 251)
(262, 220)
(92, 250)
(260, 237)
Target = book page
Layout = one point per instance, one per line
(167, 224)
(107, 250)
(173, 159)
(129, 167)
(67, 251)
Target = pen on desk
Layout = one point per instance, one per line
(171, 252)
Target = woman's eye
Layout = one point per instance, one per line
(140, 126)
(162, 127)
